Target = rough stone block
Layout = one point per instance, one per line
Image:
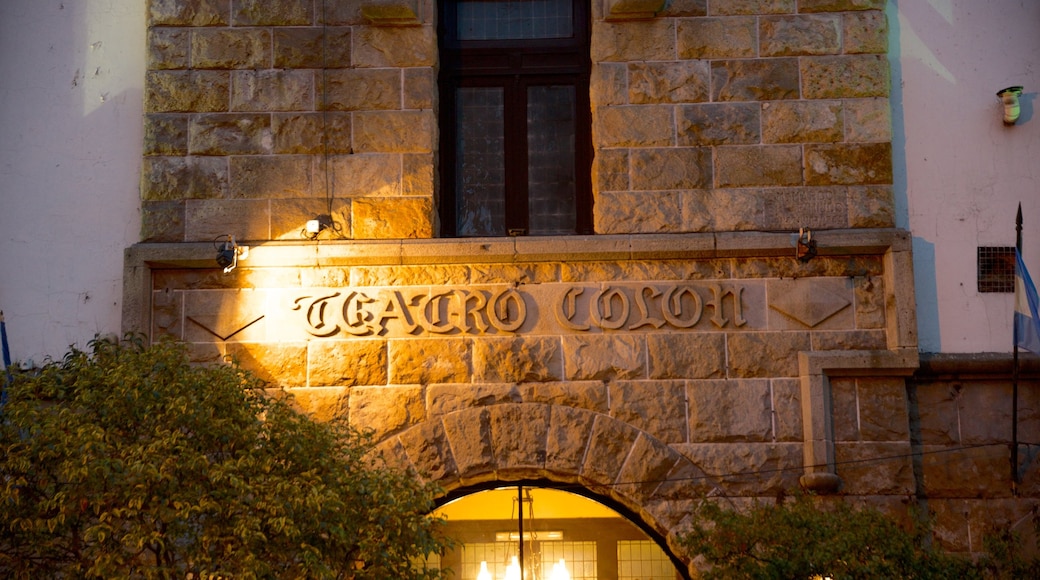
(366, 175)
(391, 12)
(408, 46)
(588, 395)
(420, 88)
(749, 7)
(189, 12)
(656, 407)
(173, 178)
(168, 48)
(868, 120)
(637, 212)
(668, 82)
(647, 40)
(850, 340)
(230, 134)
(231, 48)
(289, 217)
(430, 451)
(271, 176)
(314, 48)
(517, 359)
(604, 357)
(634, 126)
(609, 84)
(567, 438)
(187, 91)
(762, 165)
(165, 134)
(469, 436)
(322, 403)
(752, 469)
(865, 32)
(719, 124)
(672, 168)
(793, 208)
(162, 221)
(800, 35)
(845, 77)
(729, 411)
(610, 440)
(687, 355)
(282, 364)
(713, 38)
(429, 360)
(862, 473)
(883, 409)
(787, 409)
(802, 122)
(839, 5)
(610, 170)
(363, 89)
(347, 363)
(844, 409)
(390, 218)
(518, 434)
(444, 399)
(765, 354)
(872, 207)
(417, 175)
(273, 13)
(209, 219)
(848, 164)
(272, 90)
(386, 410)
(616, 10)
(394, 131)
(755, 80)
(313, 133)
(649, 462)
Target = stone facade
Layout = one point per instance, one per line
(743, 321)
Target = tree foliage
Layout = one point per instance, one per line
(803, 539)
(130, 462)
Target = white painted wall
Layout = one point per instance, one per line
(960, 173)
(71, 77)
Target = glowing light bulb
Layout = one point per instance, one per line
(483, 574)
(513, 570)
(559, 571)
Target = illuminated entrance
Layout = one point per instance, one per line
(565, 536)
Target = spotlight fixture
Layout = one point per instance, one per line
(319, 224)
(229, 252)
(806, 245)
(1012, 108)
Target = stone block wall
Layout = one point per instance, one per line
(707, 116)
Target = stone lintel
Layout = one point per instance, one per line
(617, 10)
(390, 13)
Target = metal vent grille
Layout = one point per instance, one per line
(996, 269)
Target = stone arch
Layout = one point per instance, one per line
(508, 442)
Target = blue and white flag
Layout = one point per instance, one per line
(1027, 321)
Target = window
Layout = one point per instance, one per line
(516, 151)
(996, 268)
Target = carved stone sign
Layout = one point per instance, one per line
(503, 309)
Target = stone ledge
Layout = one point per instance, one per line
(275, 254)
(618, 10)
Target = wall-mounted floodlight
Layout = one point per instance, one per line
(228, 253)
(1012, 109)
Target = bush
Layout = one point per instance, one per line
(130, 462)
(800, 539)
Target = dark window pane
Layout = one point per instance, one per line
(480, 162)
(550, 160)
(514, 19)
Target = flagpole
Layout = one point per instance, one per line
(1014, 368)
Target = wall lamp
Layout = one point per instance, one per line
(228, 253)
(1012, 108)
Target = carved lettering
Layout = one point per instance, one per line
(602, 311)
(505, 309)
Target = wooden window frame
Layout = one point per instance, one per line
(515, 65)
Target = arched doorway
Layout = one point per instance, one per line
(540, 531)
